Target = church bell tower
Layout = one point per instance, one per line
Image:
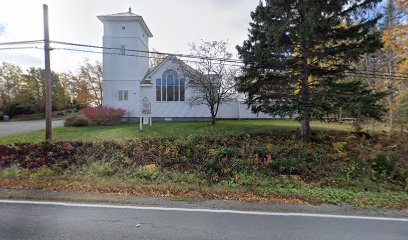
(125, 59)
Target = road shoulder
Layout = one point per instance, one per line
(42, 195)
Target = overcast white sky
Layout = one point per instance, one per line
(173, 23)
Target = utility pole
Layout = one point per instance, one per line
(48, 89)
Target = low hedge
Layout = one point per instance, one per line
(77, 121)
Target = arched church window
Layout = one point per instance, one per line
(170, 87)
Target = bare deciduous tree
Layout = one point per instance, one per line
(211, 78)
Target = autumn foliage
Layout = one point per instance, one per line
(103, 115)
(87, 84)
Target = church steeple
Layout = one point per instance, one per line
(125, 59)
(125, 34)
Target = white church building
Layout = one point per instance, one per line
(128, 81)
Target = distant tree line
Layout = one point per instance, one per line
(387, 68)
(22, 91)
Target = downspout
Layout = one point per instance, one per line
(140, 107)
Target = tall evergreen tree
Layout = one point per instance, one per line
(298, 49)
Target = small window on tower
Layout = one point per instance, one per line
(122, 49)
(123, 27)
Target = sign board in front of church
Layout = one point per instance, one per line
(146, 107)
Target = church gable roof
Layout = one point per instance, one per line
(154, 69)
(163, 62)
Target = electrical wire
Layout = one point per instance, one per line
(151, 52)
(381, 72)
(21, 42)
(129, 55)
(191, 56)
(186, 57)
(352, 74)
(16, 48)
(237, 61)
(378, 76)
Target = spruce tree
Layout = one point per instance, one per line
(298, 50)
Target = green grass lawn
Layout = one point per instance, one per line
(166, 129)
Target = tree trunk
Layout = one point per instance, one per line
(305, 131)
(213, 120)
(390, 69)
(390, 110)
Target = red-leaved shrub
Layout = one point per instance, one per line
(103, 115)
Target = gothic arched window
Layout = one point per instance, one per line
(170, 87)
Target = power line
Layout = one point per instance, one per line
(381, 72)
(393, 79)
(238, 61)
(128, 55)
(230, 62)
(22, 42)
(144, 56)
(377, 76)
(105, 53)
(16, 48)
(152, 52)
(350, 74)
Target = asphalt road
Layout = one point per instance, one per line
(13, 128)
(77, 221)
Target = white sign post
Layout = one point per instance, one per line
(146, 112)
